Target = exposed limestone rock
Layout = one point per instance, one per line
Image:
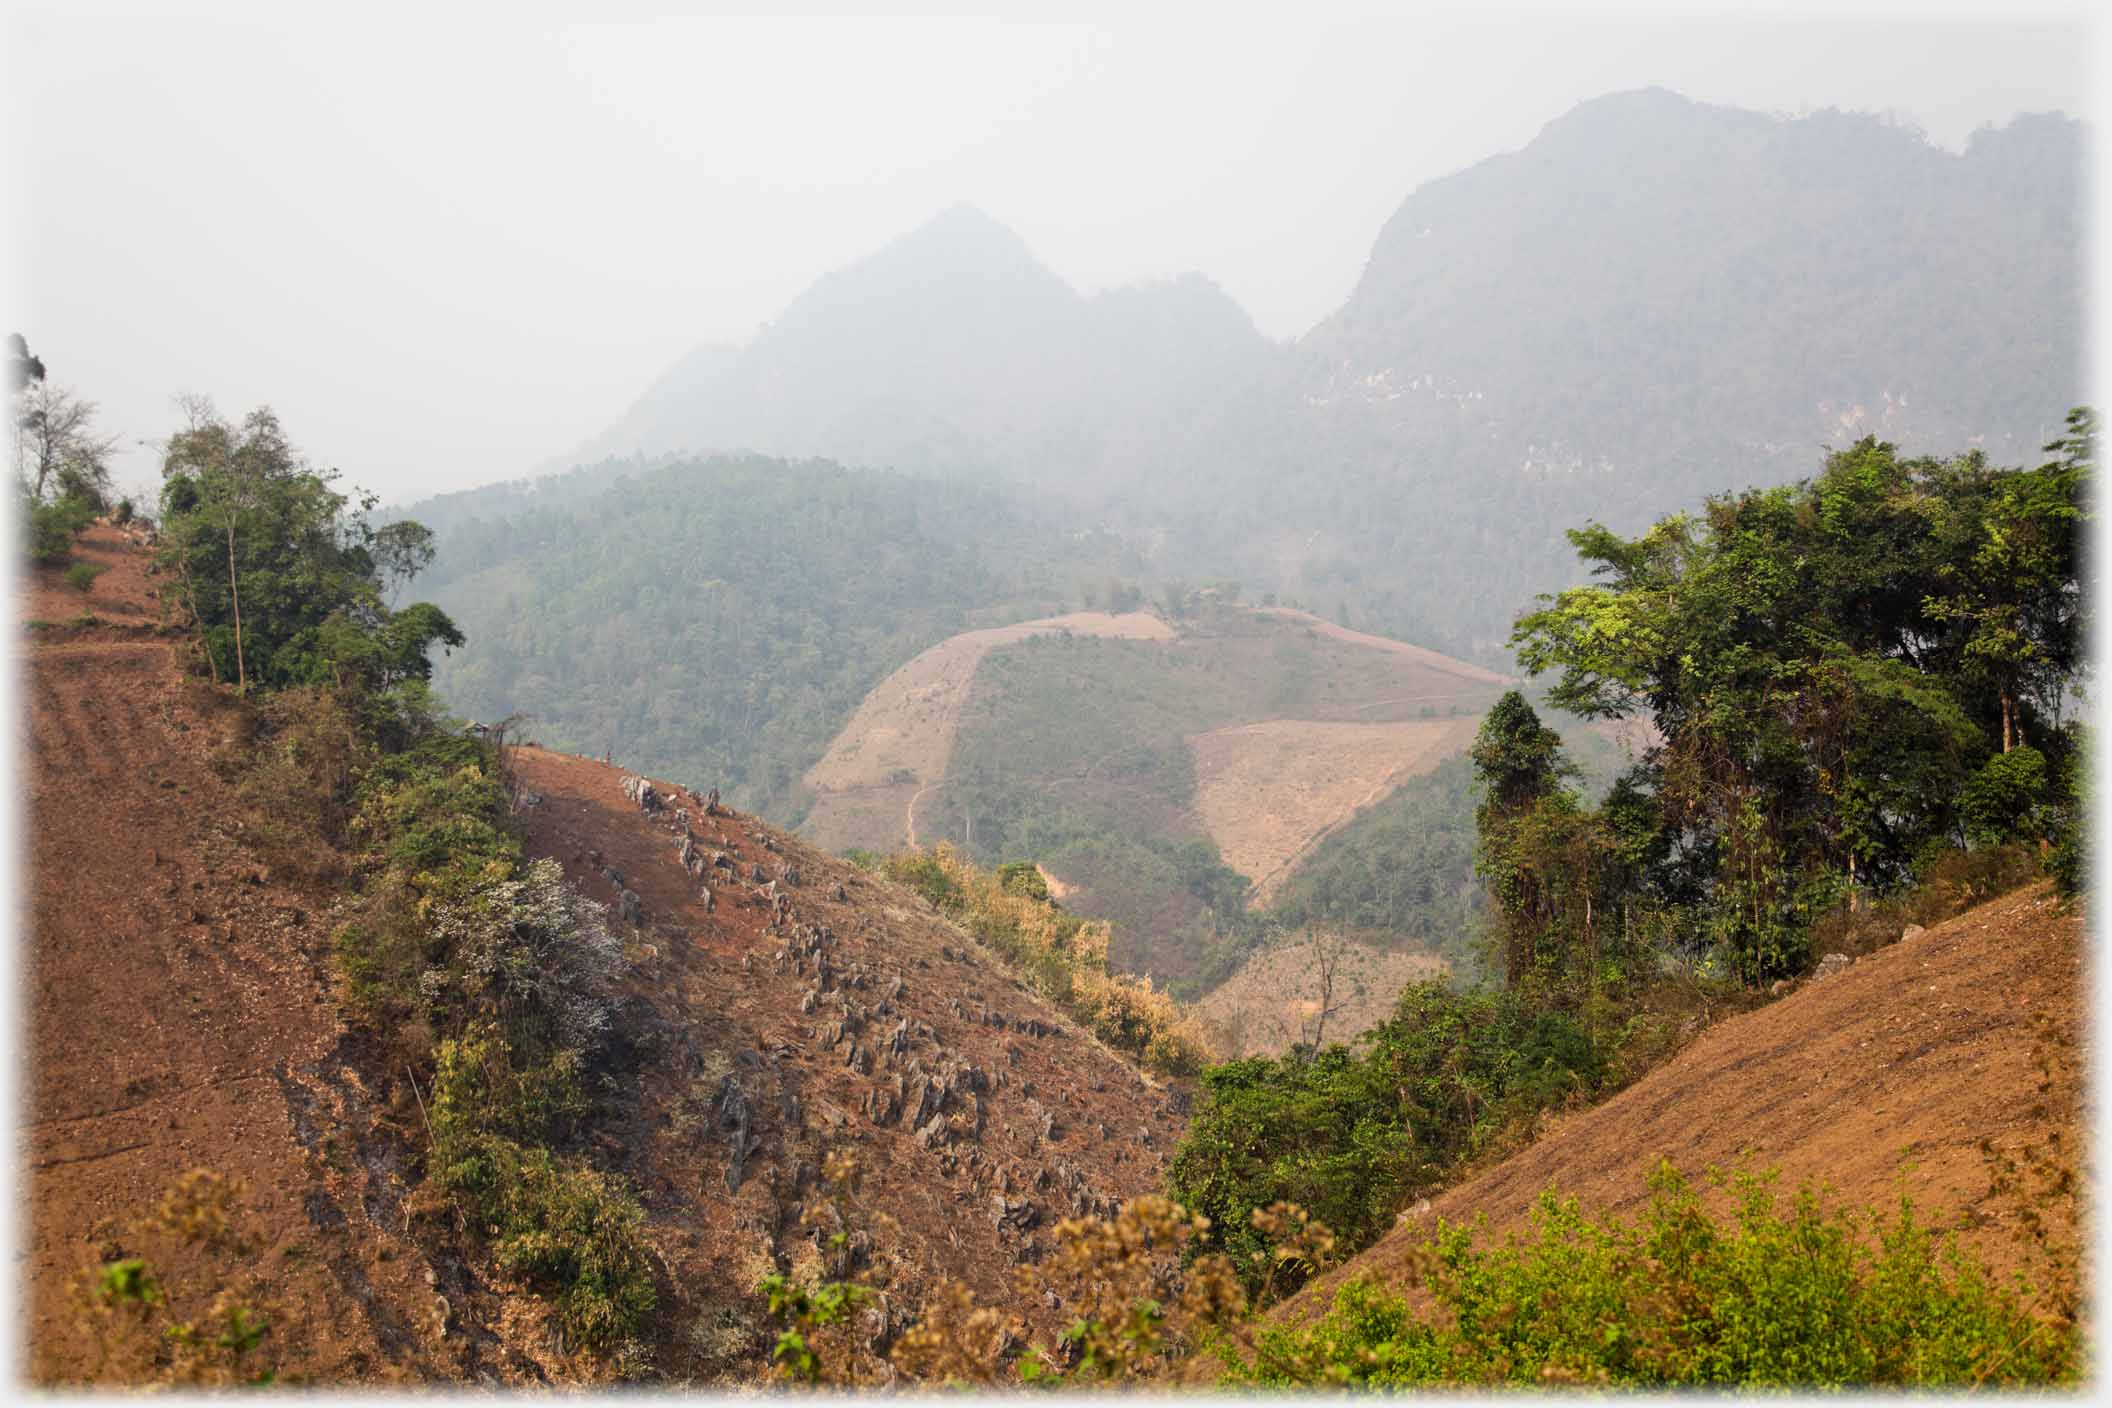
(1831, 964)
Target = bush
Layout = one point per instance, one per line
(81, 576)
(2000, 800)
(1350, 1136)
(531, 952)
(1805, 1299)
(54, 526)
(572, 1233)
(123, 513)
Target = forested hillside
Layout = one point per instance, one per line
(719, 619)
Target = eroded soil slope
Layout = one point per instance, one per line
(184, 1012)
(810, 1006)
(1894, 1069)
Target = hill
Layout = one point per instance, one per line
(187, 1010)
(1887, 1075)
(1168, 778)
(180, 1011)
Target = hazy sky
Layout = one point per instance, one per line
(450, 244)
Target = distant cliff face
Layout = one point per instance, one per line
(1652, 274)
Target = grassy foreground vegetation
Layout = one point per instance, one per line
(1809, 1297)
(1803, 1299)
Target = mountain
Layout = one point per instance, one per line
(1658, 298)
(953, 348)
(1653, 300)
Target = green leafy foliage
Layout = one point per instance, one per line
(1844, 674)
(1805, 1298)
(281, 582)
(571, 1232)
(1349, 1134)
(54, 526)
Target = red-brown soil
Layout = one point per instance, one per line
(184, 1012)
(1887, 1075)
(180, 1010)
(723, 1000)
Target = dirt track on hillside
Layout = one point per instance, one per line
(906, 724)
(1884, 1076)
(1473, 675)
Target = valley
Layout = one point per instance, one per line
(1004, 829)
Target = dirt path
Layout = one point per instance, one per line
(1459, 669)
(1886, 1075)
(906, 724)
(897, 743)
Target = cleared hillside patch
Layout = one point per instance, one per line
(906, 725)
(1268, 793)
(1273, 1001)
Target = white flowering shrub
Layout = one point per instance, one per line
(535, 953)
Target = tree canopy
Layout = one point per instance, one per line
(1838, 670)
(283, 582)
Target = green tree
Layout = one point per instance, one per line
(1826, 664)
(282, 581)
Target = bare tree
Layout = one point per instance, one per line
(1328, 949)
(56, 446)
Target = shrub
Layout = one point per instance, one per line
(1350, 1135)
(185, 1306)
(81, 576)
(572, 1233)
(1804, 1299)
(1999, 800)
(124, 511)
(1024, 878)
(532, 952)
(54, 526)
